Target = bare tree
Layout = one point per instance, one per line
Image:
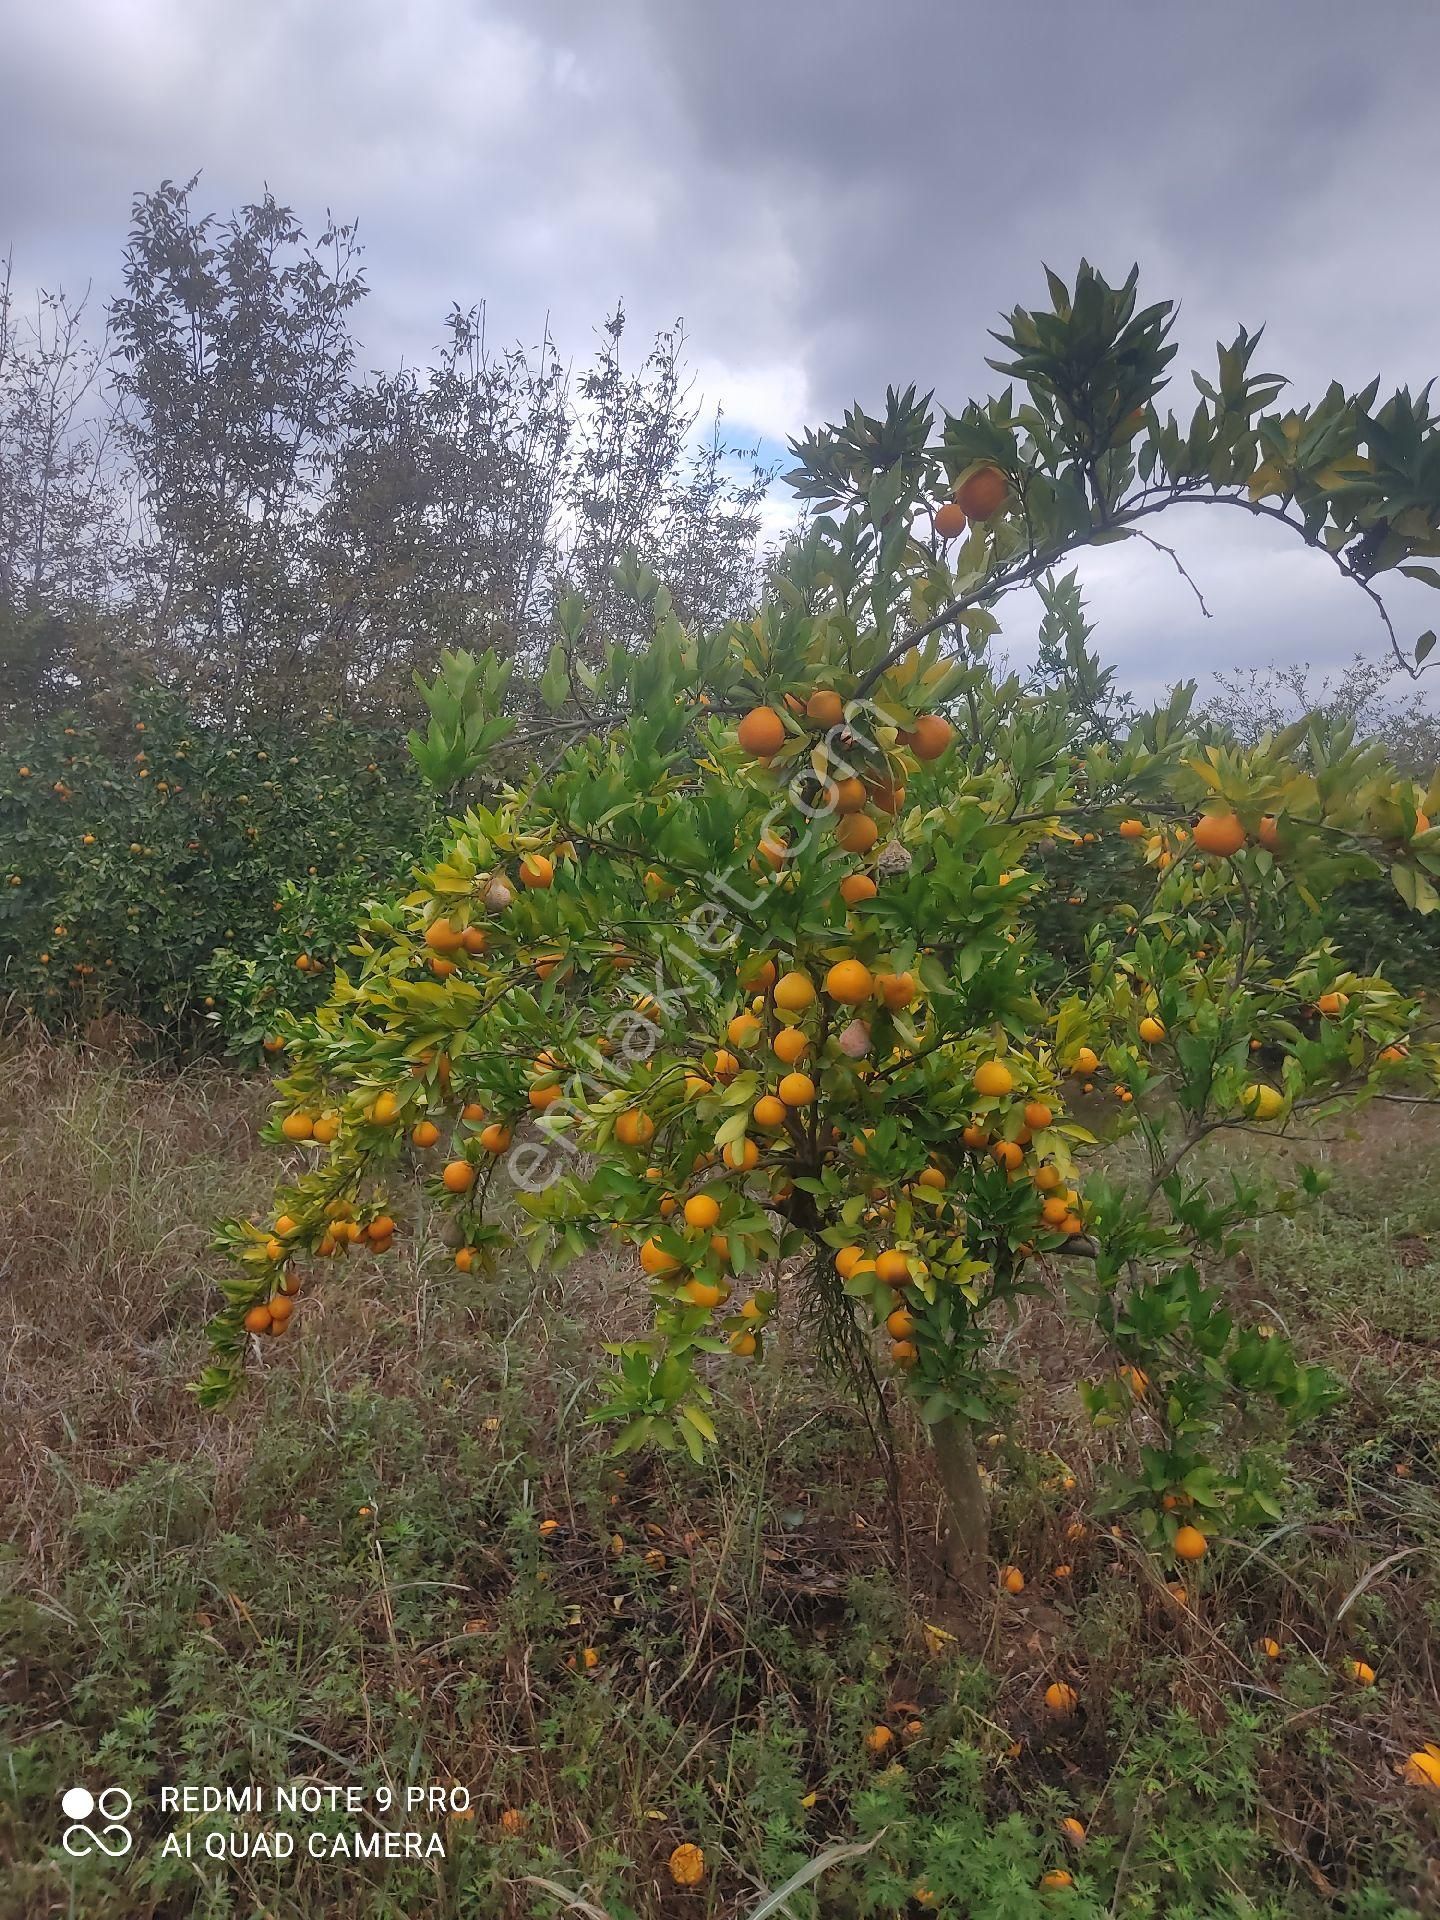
(462, 502)
(1257, 700)
(60, 519)
(56, 490)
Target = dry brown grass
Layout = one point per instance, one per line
(453, 1405)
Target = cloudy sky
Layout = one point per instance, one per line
(833, 195)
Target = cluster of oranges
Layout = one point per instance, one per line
(337, 1228)
(854, 780)
(994, 1081)
(788, 1038)
(697, 1274)
(342, 1231)
(435, 1112)
(787, 1035)
(448, 946)
(979, 497)
(1020, 1150)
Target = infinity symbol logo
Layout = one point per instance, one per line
(113, 1805)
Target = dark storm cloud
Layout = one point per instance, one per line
(835, 196)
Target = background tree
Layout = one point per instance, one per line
(300, 538)
(438, 528)
(1366, 694)
(60, 510)
(233, 364)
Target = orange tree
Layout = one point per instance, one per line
(193, 877)
(743, 975)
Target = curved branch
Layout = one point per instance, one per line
(1027, 569)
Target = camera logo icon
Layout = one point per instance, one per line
(112, 1805)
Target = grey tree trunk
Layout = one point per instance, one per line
(967, 1543)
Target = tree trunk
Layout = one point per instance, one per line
(967, 1541)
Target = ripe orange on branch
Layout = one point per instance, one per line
(856, 832)
(790, 1044)
(761, 733)
(743, 1031)
(930, 736)
(635, 1128)
(983, 493)
(849, 982)
(1218, 833)
(897, 990)
(794, 992)
(441, 937)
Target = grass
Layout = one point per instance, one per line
(345, 1580)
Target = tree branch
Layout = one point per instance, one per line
(1024, 571)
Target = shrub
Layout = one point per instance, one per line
(135, 845)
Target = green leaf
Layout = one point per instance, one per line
(555, 680)
(700, 1420)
